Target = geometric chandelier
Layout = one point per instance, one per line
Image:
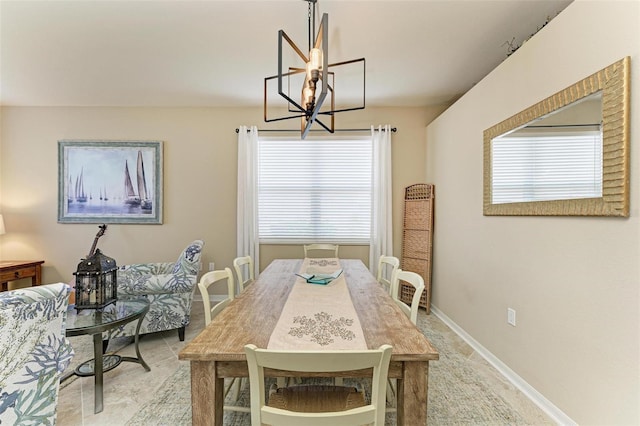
(310, 78)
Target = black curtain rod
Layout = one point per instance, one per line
(393, 130)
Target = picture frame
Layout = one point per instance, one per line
(103, 181)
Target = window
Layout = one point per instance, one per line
(314, 190)
(559, 165)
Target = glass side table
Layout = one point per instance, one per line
(94, 322)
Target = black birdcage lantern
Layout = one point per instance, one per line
(96, 279)
(96, 282)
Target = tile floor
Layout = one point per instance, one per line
(129, 387)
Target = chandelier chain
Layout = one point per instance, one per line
(311, 27)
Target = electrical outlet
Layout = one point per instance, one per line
(511, 316)
(212, 266)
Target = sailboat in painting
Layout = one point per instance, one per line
(130, 196)
(80, 195)
(70, 190)
(145, 202)
(142, 197)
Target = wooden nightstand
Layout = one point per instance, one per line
(11, 270)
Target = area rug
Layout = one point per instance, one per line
(459, 392)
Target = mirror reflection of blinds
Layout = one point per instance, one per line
(314, 190)
(534, 166)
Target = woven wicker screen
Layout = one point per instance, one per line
(417, 239)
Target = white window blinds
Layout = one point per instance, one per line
(314, 190)
(533, 166)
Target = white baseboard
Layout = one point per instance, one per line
(536, 397)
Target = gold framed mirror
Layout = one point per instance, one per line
(587, 168)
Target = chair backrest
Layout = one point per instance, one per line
(189, 260)
(318, 361)
(244, 271)
(387, 267)
(418, 283)
(34, 352)
(324, 247)
(208, 280)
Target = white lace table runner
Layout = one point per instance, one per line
(318, 316)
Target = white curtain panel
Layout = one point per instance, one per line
(381, 217)
(247, 216)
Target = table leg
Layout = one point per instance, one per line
(412, 394)
(97, 371)
(206, 388)
(37, 278)
(137, 340)
(139, 358)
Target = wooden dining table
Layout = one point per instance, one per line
(218, 351)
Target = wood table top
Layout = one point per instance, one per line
(252, 316)
(19, 263)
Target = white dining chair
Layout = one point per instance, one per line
(415, 280)
(411, 311)
(244, 272)
(206, 281)
(314, 405)
(321, 247)
(387, 267)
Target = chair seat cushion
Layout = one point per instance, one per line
(316, 398)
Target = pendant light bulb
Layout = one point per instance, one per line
(315, 64)
(308, 95)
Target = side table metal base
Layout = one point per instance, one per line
(87, 368)
(95, 324)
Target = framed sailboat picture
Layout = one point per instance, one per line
(110, 181)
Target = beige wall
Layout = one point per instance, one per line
(200, 170)
(573, 281)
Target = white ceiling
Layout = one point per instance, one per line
(217, 53)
